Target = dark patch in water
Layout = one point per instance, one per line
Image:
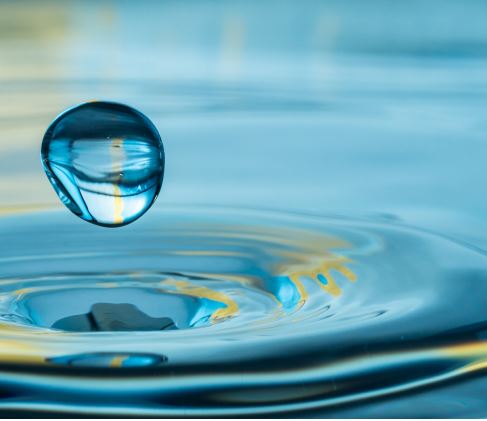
(106, 317)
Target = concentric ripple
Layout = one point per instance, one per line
(225, 312)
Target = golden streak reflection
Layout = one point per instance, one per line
(117, 157)
(301, 255)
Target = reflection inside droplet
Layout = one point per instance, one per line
(105, 162)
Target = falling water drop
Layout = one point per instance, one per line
(105, 161)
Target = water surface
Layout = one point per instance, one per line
(272, 313)
(317, 248)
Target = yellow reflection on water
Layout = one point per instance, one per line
(322, 273)
(316, 258)
(188, 288)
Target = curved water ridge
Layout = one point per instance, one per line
(224, 312)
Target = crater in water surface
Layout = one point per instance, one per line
(234, 312)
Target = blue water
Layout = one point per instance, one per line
(274, 313)
(105, 162)
(318, 245)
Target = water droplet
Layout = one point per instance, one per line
(105, 161)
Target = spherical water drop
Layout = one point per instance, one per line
(105, 161)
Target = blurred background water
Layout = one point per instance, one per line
(315, 105)
(366, 109)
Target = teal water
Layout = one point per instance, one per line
(318, 245)
(271, 314)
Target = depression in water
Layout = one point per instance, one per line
(105, 161)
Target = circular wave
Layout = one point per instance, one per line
(224, 312)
